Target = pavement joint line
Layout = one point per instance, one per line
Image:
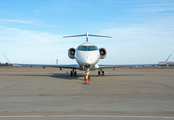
(106, 116)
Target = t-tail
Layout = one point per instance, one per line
(87, 35)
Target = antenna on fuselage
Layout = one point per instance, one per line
(87, 36)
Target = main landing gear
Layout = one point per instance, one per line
(101, 73)
(73, 73)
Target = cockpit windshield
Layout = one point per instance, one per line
(91, 48)
(87, 48)
(82, 48)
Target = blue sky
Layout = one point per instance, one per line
(31, 31)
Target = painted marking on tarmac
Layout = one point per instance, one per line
(95, 116)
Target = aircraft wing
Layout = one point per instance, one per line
(72, 66)
(128, 65)
(76, 66)
(131, 65)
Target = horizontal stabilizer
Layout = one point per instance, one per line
(100, 36)
(87, 36)
(74, 36)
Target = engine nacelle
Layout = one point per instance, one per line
(71, 53)
(102, 53)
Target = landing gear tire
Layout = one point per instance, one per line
(73, 73)
(103, 73)
(99, 73)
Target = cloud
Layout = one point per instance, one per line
(33, 46)
(15, 21)
(135, 43)
(139, 42)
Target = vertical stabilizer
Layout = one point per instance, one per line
(167, 59)
(86, 36)
(6, 59)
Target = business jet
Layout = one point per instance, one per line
(87, 56)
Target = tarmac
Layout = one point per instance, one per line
(50, 94)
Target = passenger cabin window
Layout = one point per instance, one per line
(87, 48)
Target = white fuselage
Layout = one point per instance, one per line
(87, 57)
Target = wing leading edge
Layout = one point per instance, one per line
(73, 66)
(131, 65)
(76, 66)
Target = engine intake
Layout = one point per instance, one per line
(71, 53)
(102, 53)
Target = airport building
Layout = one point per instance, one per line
(171, 63)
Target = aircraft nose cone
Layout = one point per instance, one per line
(88, 60)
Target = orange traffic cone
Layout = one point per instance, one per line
(86, 80)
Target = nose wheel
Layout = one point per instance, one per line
(73, 73)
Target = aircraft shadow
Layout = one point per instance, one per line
(68, 77)
(126, 75)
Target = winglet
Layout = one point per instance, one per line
(167, 59)
(7, 59)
